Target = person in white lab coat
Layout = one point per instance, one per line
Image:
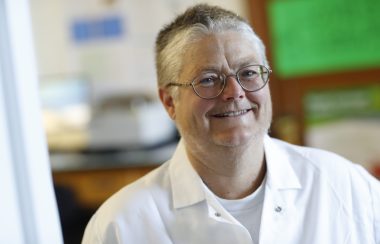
(228, 181)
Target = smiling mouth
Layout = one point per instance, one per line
(232, 113)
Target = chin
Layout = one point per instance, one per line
(230, 144)
(232, 140)
(238, 139)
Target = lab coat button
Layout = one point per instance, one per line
(217, 214)
(278, 209)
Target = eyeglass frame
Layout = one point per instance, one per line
(224, 82)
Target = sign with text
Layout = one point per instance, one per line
(83, 30)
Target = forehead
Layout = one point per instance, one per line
(222, 51)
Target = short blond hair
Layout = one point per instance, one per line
(195, 23)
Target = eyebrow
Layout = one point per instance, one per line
(244, 62)
(210, 68)
(247, 61)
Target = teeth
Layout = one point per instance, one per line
(233, 113)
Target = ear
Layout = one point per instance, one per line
(168, 102)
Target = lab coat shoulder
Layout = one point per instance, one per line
(334, 169)
(349, 184)
(137, 207)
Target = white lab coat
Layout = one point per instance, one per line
(311, 197)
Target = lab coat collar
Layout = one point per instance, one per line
(280, 174)
(186, 184)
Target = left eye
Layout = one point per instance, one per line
(248, 73)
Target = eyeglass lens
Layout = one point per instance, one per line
(211, 84)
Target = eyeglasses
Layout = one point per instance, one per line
(211, 84)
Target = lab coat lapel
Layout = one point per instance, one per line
(281, 189)
(196, 211)
(186, 185)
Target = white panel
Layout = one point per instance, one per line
(10, 219)
(29, 186)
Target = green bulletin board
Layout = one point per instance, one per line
(325, 106)
(318, 36)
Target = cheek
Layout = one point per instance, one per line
(193, 113)
(264, 101)
(199, 112)
(260, 97)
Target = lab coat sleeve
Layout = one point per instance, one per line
(91, 234)
(374, 188)
(129, 216)
(111, 235)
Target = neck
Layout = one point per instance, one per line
(231, 173)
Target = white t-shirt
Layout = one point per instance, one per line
(246, 210)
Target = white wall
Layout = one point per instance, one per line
(124, 65)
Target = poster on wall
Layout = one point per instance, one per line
(112, 42)
(346, 121)
(319, 36)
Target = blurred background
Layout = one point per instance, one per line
(105, 126)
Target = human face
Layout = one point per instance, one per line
(235, 117)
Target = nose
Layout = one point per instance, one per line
(232, 89)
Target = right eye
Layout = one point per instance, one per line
(207, 80)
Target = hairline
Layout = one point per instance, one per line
(169, 61)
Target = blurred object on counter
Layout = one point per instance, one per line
(375, 170)
(128, 122)
(66, 111)
(75, 121)
(286, 128)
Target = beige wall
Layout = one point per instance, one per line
(124, 65)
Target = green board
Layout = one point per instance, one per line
(328, 105)
(319, 36)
